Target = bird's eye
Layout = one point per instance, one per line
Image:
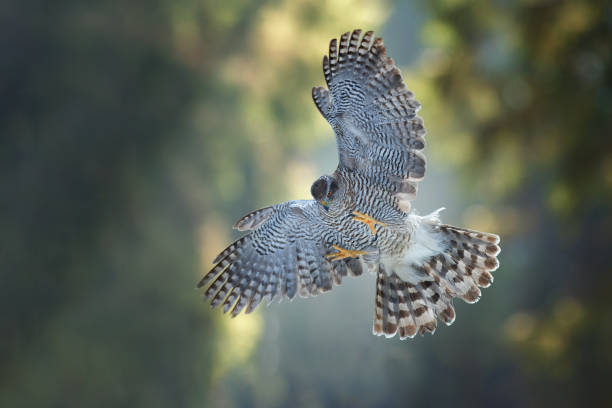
(329, 194)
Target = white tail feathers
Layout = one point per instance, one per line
(412, 303)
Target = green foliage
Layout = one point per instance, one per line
(99, 249)
(531, 81)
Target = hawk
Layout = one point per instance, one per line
(360, 218)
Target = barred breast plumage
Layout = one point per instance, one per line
(360, 217)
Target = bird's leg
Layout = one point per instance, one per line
(369, 221)
(343, 253)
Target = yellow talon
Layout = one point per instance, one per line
(369, 221)
(343, 253)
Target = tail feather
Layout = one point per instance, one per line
(400, 308)
(384, 321)
(407, 325)
(439, 298)
(455, 276)
(412, 304)
(424, 316)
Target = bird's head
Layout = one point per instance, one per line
(324, 190)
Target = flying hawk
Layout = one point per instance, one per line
(360, 218)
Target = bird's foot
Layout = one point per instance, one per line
(369, 221)
(344, 253)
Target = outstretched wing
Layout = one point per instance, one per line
(282, 255)
(373, 114)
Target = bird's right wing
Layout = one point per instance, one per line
(373, 114)
(283, 254)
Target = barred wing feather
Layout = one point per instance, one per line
(373, 114)
(282, 255)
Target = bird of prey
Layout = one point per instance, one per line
(360, 218)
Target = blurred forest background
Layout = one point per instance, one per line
(135, 133)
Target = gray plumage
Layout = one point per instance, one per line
(360, 218)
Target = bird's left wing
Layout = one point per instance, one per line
(283, 254)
